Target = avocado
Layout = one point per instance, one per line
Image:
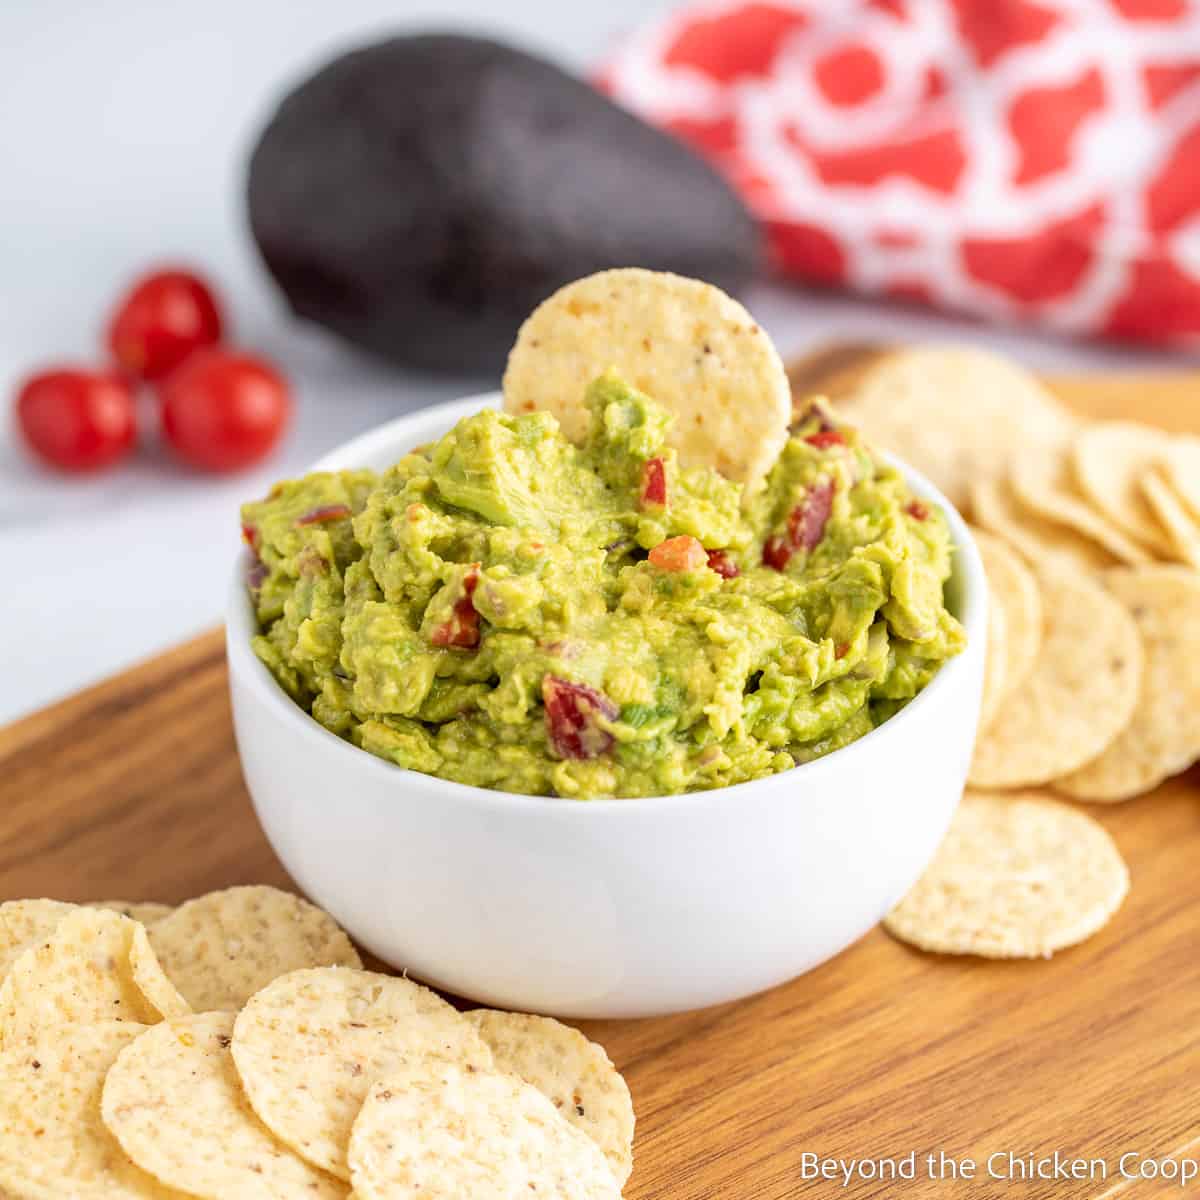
(420, 196)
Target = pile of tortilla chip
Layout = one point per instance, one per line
(234, 1046)
(1090, 538)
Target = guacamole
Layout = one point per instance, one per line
(506, 609)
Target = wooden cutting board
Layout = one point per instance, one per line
(132, 790)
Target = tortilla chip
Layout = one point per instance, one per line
(1014, 590)
(1109, 460)
(23, 922)
(1037, 540)
(574, 1074)
(684, 343)
(174, 1102)
(145, 911)
(1044, 483)
(1016, 877)
(309, 1045)
(150, 978)
(954, 413)
(54, 1144)
(96, 965)
(1081, 693)
(995, 670)
(438, 1131)
(221, 948)
(1182, 532)
(1181, 465)
(1164, 735)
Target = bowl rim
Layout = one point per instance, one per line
(395, 436)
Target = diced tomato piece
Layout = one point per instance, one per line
(776, 552)
(654, 484)
(683, 553)
(806, 525)
(805, 528)
(327, 512)
(256, 572)
(826, 438)
(841, 650)
(572, 710)
(462, 629)
(917, 510)
(719, 561)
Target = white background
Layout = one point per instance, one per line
(124, 129)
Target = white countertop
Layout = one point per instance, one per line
(123, 141)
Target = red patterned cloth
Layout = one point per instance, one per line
(1015, 159)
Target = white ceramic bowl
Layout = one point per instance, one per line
(606, 908)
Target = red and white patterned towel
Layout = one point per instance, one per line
(1016, 159)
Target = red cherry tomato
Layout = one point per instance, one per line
(77, 420)
(161, 320)
(222, 411)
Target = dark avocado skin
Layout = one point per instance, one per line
(422, 195)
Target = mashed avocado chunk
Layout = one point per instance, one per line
(505, 609)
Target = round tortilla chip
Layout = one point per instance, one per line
(145, 911)
(25, 921)
(435, 1131)
(574, 1074)
(995, 670)
(174, 1101)
(1109, 460)
(956, 414)
(1037, 540)
(1164, 736)
(1182, 531)
(221, 948)
(1015, 877)
(1014, 590)
(1081, 693)
(54, 1144)
(95, 965)
(684, 343)
(309, 1045)
(1043, 482)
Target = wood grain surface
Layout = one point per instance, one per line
(132, 790)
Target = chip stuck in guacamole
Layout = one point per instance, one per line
(507, 609)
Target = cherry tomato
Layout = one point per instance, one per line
(165, 317)
(77, 420)
(223, 411)
(721, 562)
